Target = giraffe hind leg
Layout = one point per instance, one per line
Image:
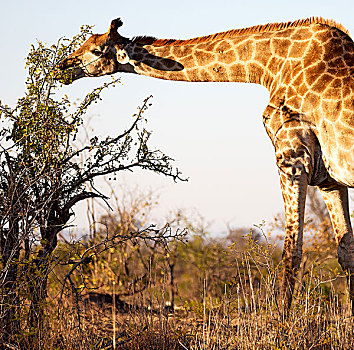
(336, 198)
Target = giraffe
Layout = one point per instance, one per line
(308, 68)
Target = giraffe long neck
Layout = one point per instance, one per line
(254, 58)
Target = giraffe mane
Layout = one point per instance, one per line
(269, 27)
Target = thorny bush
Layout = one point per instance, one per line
(42, 178)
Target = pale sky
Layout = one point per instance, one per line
(214, 131)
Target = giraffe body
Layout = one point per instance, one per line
(308, 68)
(308, 77)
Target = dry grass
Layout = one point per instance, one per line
(229, 323)
(243, 313)
(247, 316)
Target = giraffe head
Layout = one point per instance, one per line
(101, 54)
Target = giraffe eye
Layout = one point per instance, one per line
(97, 52)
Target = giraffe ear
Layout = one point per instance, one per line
(115, 24)
(122, 56)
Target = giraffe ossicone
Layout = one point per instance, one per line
(308, 68)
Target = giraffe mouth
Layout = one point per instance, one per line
(68, 75)
(69, 70)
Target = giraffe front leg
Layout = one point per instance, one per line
(336, 198)
(294, 195)
(295, 149)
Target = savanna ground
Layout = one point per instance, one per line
(196, 292)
